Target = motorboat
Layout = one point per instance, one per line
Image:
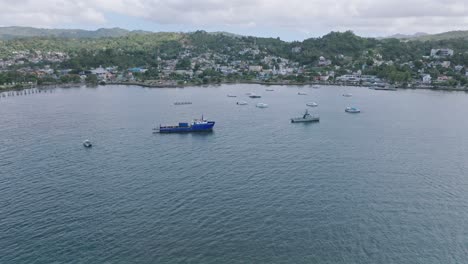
(242, 103)
(262, 105)
(230, 95)
(301, 93)
(269, 90)
(254, 96)
(347, 95)
(352, 110)
(87, 143)
(312, 104)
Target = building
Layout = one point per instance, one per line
(426, 79)
(255, 68)
(436, 53)
(296, 49)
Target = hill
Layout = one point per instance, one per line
(444, 36)
(8, 33)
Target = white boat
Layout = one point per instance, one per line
(301, 93)
(262, 105)
(352, 110)
(230, 95)
(269, 90)
(306, 117)
(87, 144)
(316, 86)
(347, 95)
(312, 104)
(242, 103)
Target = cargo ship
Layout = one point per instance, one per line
(197, 125)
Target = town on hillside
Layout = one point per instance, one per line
(200, 58)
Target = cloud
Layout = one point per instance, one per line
(368, 17)
(48, 13)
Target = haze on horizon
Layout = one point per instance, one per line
(289, 20)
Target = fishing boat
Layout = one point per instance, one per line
(242, 103)
(197, 125)
(352, 110)
(312, 104)
(87, 143)
(261, 105)
(306, 117)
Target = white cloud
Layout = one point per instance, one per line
(48, 13)
(370, 17)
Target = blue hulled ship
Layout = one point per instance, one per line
(197, 125)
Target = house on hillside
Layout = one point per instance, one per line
(426, 79)
(444, 52)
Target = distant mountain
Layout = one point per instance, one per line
(403, 36)
(7, 33)
(444, 36)
(431, 37)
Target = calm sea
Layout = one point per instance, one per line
(389, 185)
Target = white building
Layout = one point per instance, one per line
(427, 79)
(255, 68)
(441, 52)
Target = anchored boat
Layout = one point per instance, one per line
(254, 96)
(87, 144)
(197, 125)
(312, 104)
(262, 105)
(352, 110)
(306, 117)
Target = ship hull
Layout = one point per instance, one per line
(188, 129)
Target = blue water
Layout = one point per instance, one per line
(389, 185)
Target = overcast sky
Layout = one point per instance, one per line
(288, 19)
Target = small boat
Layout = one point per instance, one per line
(316, 86)
(262, 105)
(230, 95)
(347, 95)
(87, 144)
(306, 117)
(197, 125)
(242, 103)
(254, 96)
(301, 93)
(182, 103)
(312, 104)
(352, 110)
(269, 90)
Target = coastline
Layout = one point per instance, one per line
(173, 85)
(152, 85)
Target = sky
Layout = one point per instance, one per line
(288, 19)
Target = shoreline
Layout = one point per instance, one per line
(149, 85)
(169, 85)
